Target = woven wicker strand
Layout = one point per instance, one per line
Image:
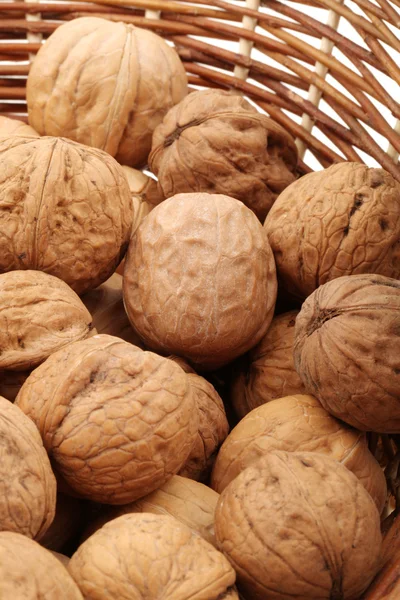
(336, 92)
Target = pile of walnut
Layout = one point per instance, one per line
(199, 369)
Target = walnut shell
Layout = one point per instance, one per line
(150, 556)
(67, 522)
(9, 127)
(30, 572)
(39, 314)
(343, 220)
(64, 560)
(64, 209)
(299, 525)
(267, 372)
(141, 79)
(116, 421)
(293, 424)
(106, 306)
(347, 350)
(214, 141)
(28, 486)
(190, 502)
(199, 280)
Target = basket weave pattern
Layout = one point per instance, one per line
(330, 90)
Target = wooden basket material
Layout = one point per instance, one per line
(327, 70)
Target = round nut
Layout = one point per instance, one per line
(28, 486)
(116, 421)
(199, 280)
(39, 314)
(344, 220)
(29, 572)
(153, 556)
(228, 148)
(299, 525)
(9, 127)
(293, 424)
(347, 350)
(64, 209)
(141, 79)
(267, 372)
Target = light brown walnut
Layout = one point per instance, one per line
(344, 220)
(347, 350)
(65, 209)
(150, 556)
(299, 525)
(199, 280)
(293, 424)
(39, 314)
(64, 560)
(116, 421)
(267, 372)
(9, 127)
(217, 142)
(30, 572)
(104, 84)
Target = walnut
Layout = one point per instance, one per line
(299, 525)
(150, 556)
(64, 209)
(116, 421)
(199, 280)
(267, 371)
(217, 142)
(104, 84)
(9, 127)
(344, 220)
(347, 350)
(297, 423)
(28, 486)
(30, 572)
(39, 314)
(67, 523)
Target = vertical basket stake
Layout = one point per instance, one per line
(33, 37)
(391, 151)
(152, 14)
(314, 93)
(246, 46)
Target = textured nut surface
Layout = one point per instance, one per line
(39, 314)
(61, 557)
(10, 127)
(297, 423)
(27, 483)
(188, 501)
(347, 350)
(199, 280)
(141, 77)
(30, 572)
(150, 556)
(217, 142)
(299, 525)
(267, 372)
(64, 209)
(343, 220)
(67, 522)
(117, 421)
(106, 306)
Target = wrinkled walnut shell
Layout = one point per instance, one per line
(344, 220)
(199, 280)
(299, 525)
(297, 424)
(9, 127)
(39, 314)
(154, 556)
(347, 350)
(104, 84)
(217, 142)
(267, 372)
(64, 209)
(116, 421)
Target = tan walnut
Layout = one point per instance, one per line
(199, 280)
(299, 525)
(9, 127)
(104, 84)
(217, 142)
(347, 350)
(116, 421)
(65, 209)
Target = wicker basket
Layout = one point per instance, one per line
(327, 70)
